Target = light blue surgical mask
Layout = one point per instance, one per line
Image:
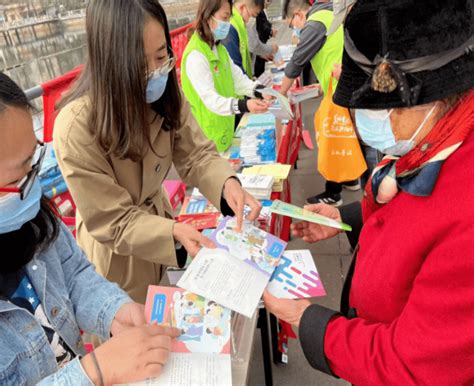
(222, 30)
(297, 32)
(15, 212)
(375, 129)
(156, 87)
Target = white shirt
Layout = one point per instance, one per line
(256, 46)
(199, 73)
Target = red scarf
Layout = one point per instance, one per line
(416, 172)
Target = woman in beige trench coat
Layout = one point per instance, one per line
(116, 137)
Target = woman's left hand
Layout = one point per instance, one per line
(129, 315)
(237, 198)
(288, 310)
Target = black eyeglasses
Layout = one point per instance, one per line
(24, 187)
(291, 22)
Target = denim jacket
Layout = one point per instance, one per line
(74, 298)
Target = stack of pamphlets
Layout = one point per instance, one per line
(300, 94)
(279, 172)
(258, 185)
(198, 212)
(258, 145)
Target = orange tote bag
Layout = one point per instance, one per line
(340, 157)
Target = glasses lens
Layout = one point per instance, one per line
(27, 183)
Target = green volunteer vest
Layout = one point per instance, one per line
(238, 22)
(330, 53)
(217, 128)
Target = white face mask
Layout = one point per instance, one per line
(375, 129)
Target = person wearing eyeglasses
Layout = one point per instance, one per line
(49, 291)
(212, 83)
(237, 41)
(120, 130)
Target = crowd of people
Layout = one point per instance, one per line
(404, 71)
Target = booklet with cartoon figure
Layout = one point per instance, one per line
(201, 355)
(236, 273)
(296, 277)
(284, 209)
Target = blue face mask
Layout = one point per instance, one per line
(297, 32)
(375, 129)
(222, 29)
(15, 212)
(156, 87)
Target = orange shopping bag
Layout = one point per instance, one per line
(340, 157)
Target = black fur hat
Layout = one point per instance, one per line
(400, 53)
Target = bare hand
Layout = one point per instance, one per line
(191, 239)
(288, 310)
(274, 32)
(136, 354)
(268, 58)
(129, 315)
(237, 198)
(311, 232)
(257, 106)
(274, 48)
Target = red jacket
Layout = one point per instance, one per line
(413, 288)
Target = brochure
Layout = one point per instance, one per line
(296, 277)
(284, 209)
(283, 101)
(201, 355)
(259, 249)
(236, 273)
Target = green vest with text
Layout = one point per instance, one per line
(330, 53)
(217, 128)
(238, 22)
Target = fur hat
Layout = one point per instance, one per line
(400, 53)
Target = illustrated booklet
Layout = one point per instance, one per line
(236, 273)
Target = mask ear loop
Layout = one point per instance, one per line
(423, 123)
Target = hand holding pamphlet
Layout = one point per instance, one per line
(289, 210)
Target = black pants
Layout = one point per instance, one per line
(333, 187)
(259, 66)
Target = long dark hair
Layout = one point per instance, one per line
(206, 10)
(114, 77)
(18, 247)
